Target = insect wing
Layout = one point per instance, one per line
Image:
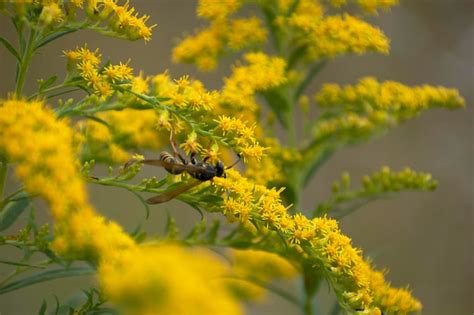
(177, 167)
(172, 194)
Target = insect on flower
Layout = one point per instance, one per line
(176, 164)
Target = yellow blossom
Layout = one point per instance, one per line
(118, 72)
(336, 35)
(166, 279)
(217, 9)
(249, 266)
(262, 73)
(191, 145)
(46, 163)
(245, 32)
(399, 100)
(51, 13)
(319, 239)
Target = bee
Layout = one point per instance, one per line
(176, 164)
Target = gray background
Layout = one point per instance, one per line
(425, 239)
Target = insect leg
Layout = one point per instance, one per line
(175, 151)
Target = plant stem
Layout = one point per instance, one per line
(26, 57)
(3, 175)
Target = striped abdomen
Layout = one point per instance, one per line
(175, 166)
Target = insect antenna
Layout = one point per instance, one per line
(233, 164)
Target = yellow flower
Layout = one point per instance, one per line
(336, 35)
(249, 266)
(262, 73)
(118, 72)
(245, 32)
(369, 6)
(217, 9)
(167, 279)
(143, 280)
(398, 100)
(318, 240)
(51, 13)
(261, 265)
(202, 49)
(191, 145)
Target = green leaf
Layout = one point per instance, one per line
(13, 210)
(14, 263)
(97, 119)
(309, 77)
(44, 84)
(336, 309)
(46, 276)
(10, 48)
(212, 199)
(295, 56)
(212, 234)
(54, 36)
(42, 310)
(278, 105)
(170, 229)
(316, 163)
(144, 203)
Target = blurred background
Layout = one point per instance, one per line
(424, 239)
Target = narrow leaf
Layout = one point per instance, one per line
(212, 234)
(44, 84)
(54, 36)
(145, 205)
(42, 310)
(336, 309)
(309, 78)
(97, 119)
(13, 210)
(10, 48)
(14, 263)
(46, 276)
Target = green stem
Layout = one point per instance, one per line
(3, 175)
(26, 57)
(291, 134)
(49, 90)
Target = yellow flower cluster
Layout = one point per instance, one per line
(252, 269)
(269, 170)
(129, 129)
(392, 300)
(375, 185)
(119, 20)
(87, 63)
(184, 93)
(319, 240)
(167, 280)
(261, 73)
(369, 6)
(370, 106)
(387, 180)
(401, 101)
(43, 148)
(261, 265)
(240, 136)
(306, 16)
(217, 9)
(352, 125)
(336, 35)
(207, 45)
(144, 280)
(51, 13)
